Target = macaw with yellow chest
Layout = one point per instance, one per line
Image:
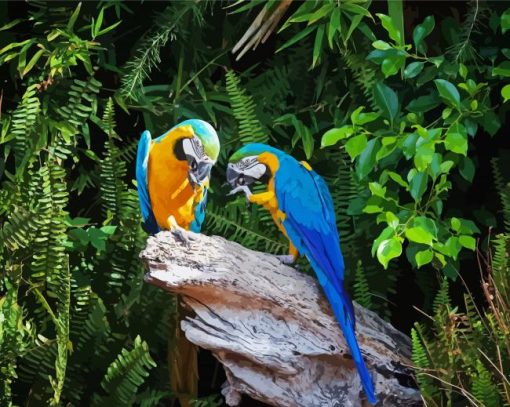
(302, 208)
(172, 173)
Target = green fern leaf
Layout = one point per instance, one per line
(243, 107)
(125, 375)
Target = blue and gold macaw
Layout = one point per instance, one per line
(302, 208)
(172, 173)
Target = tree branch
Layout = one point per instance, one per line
(272, 329)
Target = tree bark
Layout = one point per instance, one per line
(272, 328)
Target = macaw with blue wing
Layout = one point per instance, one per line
(302, 208)
(172, 173)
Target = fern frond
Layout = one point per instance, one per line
(364, 73)
(17, 335)
(125, 375)
(464, 49)
(442, 299)
(501, 266)
(167, 25)
(361, 289)
(503, 190)
(249, 127)
(483, 389)
(82, 102)
(22, 125)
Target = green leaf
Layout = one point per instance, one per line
(387, 233)
(360, 118)
(387, 100)
(389, 249)
(503, 69)
(423, 156)
(396, 13)
(391, 65)
(388, 25)
(467, 169)
(421, 31)
(99, 22)
(11, 24)
(392, 220)
(505, 92)
(424, 257)
(413, 69)
(97, 238)
(381, 45)
(456, 139)
(417, 184)
(317, 46)
(448, 91)
(308, 142)
(74, 17)
(419, 235)
(334, 25)
(505, 20)
(355, 145)
(366, 160)
(299, 36)
(333, 136)
(463, 71)
(377, 189)
(398, 179)
(109, 229)
(321, 12)
(423, 104)
(451, 248)
(468, 242)
(32, 62)
(455, 224)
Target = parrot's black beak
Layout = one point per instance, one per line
(232, 176)
(200, 175)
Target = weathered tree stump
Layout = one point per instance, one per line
(272, 328)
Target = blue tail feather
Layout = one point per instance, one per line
(341, 308)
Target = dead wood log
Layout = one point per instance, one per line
(272, 329)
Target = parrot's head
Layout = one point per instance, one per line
(244, 167)
(200, 151)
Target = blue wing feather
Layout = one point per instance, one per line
(196, 225)
(142, 160)
(310, 224)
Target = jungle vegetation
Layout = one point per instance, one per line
(400, 105)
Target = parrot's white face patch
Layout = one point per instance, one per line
(251, 167)
(193, 147)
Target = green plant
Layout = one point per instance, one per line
(401, 114)
(465, 356)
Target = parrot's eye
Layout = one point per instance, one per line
(193, 165)
(241, 180)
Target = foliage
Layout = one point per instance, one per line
(465, 357)
(391, 117)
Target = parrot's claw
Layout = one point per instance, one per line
(180, 233)
(287, 259)
(241, 188)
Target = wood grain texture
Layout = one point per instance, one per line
(272, 328)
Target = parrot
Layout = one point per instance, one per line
(172, 174)
(301, 206)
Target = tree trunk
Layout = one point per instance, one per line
(272, 328)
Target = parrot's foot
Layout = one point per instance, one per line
(180, 233)
(241, 188)
(287, 259)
